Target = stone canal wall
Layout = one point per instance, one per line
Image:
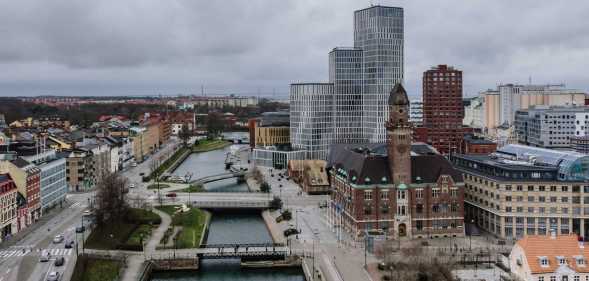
(275, 232)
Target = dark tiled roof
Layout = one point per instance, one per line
(19, 162)
(375, 166)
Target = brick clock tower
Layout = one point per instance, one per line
(399, 157)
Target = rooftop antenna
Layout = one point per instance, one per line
(202, 90)
(530, 80)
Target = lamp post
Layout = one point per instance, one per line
(297, 222)
(142, 246)
(470, 235)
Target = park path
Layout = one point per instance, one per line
(135, 262)
(158, 234)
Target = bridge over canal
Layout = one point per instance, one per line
(240, 175)
(223, 200)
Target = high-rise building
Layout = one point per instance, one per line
(416, 112)
(379, 32)
(345, 72)
(311, 118)
(551, 127)
(442, 107)
(361, 78)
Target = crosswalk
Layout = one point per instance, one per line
(78, 205)
(24, 252)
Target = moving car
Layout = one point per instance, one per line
(58, 239)
(132, 185)
(45, 256)
(171, 194)
(53, 276)
(59, 261)
(70, 244)
(80, 229)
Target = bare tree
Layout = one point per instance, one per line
(110, 199)
(184, 134)
(155, 175)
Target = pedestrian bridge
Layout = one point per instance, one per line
(223, 251)
(240, 175)
(223, 200)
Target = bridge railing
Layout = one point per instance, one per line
(231, 204)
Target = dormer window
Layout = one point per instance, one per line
(580, 261)
(544, 261)
(561, 260)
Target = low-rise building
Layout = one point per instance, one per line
(8, 206)
(551, 127)
(580, 144)
(549, 258)
(272, 129)
(522, 190)
(311, 175)
(53, 179)
(473, 144)
(27, 178)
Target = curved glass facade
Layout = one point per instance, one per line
(572, 166)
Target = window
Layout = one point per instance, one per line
(542, 199)
(454, 192)
(580, 261)
(508, 198)
(435, 192)
(561, 260)
(508, 209)
(544, 261)
(419, 208)
(530, 198)
(384, 195)
(419, 193)
(541, 278)
(368, 195)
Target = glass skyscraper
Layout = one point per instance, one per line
(345, 72)
(379, 32)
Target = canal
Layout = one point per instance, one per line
(227, 227)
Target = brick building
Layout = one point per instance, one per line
(472, 144)
(8, 206)
(443, 109)
(398, 188)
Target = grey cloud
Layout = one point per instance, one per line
(149, 46)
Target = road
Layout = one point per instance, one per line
(21, 261)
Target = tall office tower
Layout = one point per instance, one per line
(345, 72)
(378, 31)
(311, 121)
(442, 107)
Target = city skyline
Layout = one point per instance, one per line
(133, 48)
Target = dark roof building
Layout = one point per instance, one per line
(397, 188)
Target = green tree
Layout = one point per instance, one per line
(215, 125)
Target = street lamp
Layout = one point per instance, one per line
(470, 235)
(297, 222)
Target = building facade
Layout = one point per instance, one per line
(549, 258)
(53, 179)
(500, 105)
(8, 206)
(443, 110)
(379, 32)
(346, 74)
(580, 144)
(311, 118)
(522, 190)
(416, 113)
(551, 127)
(397, 188)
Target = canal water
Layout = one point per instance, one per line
(227, 227)
(210, 163)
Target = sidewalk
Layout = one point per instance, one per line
(33, 227)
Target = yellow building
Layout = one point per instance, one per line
(269, 136)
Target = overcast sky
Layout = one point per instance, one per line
(135, 47)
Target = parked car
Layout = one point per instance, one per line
(45, 256)
(133, 164)
(171, 194)
(59, 261)
(53, 276)
(58, 239)
(87, 212)
(132, 185)
(80, 229)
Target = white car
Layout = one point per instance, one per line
(58, 239)
(45, 256)
(53, 276)
(132, 185)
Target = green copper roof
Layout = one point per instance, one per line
(402, 186)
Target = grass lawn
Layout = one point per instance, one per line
(193, 188)
(193, 222)
(154, 186)
(124, 234)
(135, 238)
(91, 269)
(208, 145)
